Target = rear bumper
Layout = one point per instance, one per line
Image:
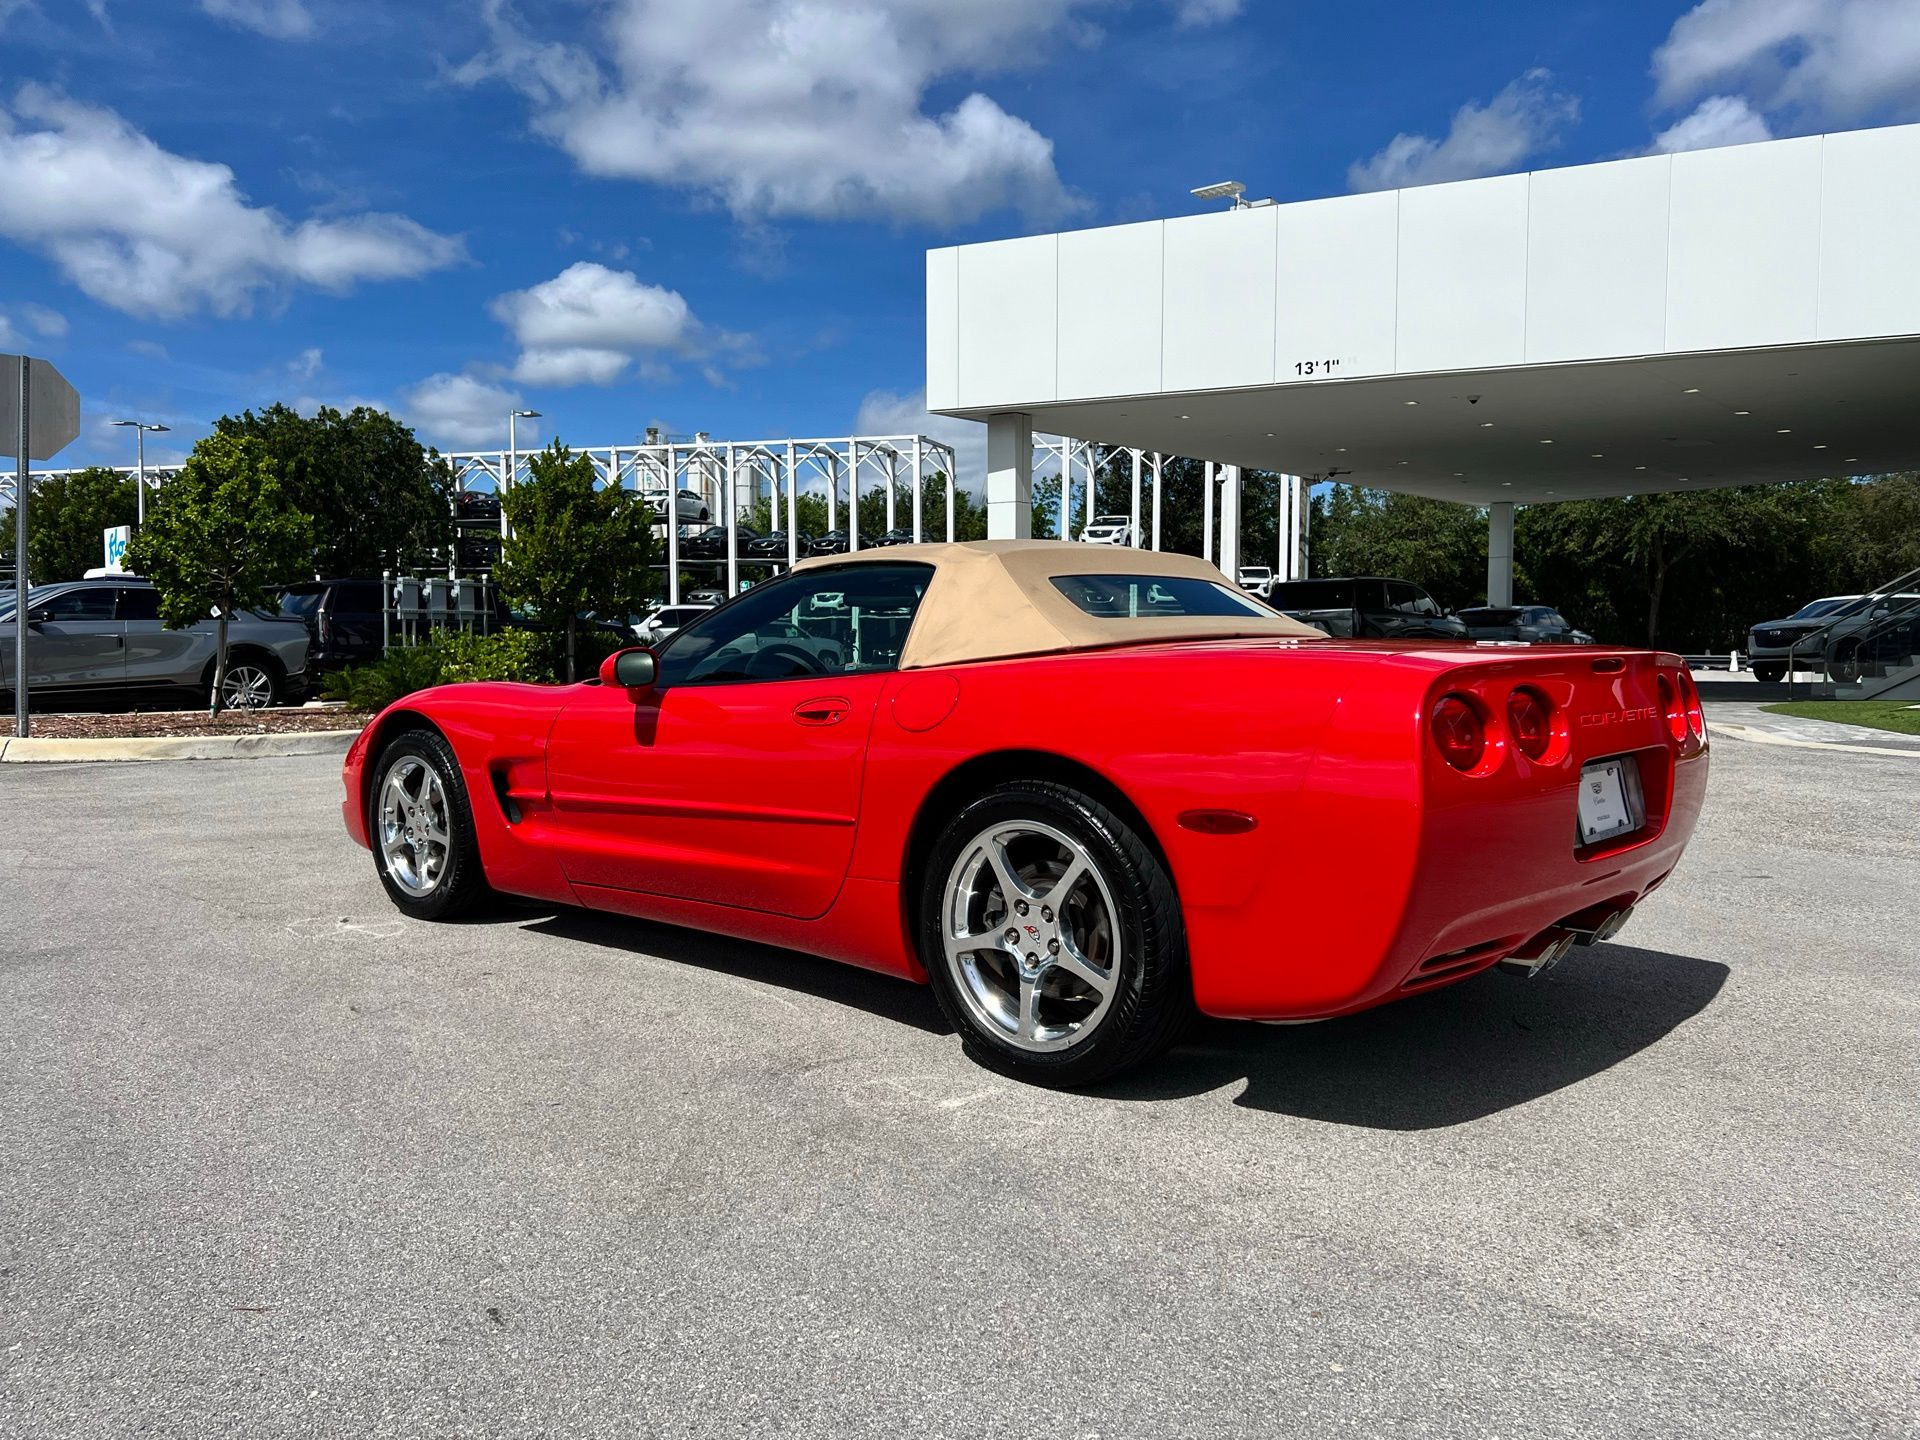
(1482, 883)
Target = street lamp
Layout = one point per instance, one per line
(140, 430)
(513, 460)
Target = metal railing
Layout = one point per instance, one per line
(1876, 632)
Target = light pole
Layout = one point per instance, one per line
(140, 430)
(513, 460)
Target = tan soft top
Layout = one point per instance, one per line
(995, 598)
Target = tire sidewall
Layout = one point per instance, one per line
(457, 877)
(1152, 951)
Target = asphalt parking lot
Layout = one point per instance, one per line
(277, 1162)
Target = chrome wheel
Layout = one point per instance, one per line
(415, 829)
(246, 687)
(1031, 935)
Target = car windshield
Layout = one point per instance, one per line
(1823, 607)
(1132, 596)
(37, 595)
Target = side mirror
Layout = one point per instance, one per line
(630, 669)
(40, 615)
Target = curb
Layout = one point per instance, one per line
(178, 747)
(1760, 737)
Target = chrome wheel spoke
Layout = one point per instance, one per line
(1012, 887)
(1075, 872)
(1029, 1024)
(1071, 960)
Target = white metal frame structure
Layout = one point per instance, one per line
(717, 470)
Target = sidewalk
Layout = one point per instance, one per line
(1745, 720)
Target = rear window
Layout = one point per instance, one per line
(299, 603)
(1126, 597)
(357, 597)
(1492, 615)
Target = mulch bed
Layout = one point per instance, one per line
(146, 724)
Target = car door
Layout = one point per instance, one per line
(156, 655)
(74, 643)
(736, 779)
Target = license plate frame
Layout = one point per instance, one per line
(1610, 803)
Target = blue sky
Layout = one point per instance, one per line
(711, 214)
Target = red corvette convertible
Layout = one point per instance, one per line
(1080, 790)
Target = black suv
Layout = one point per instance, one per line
(1366, 607)
(342, 619)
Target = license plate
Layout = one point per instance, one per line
(1609, 800)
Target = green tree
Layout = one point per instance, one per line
(65, 521)
(217, 535)
(1437, 544)
(1874, 532)
(573, 547)
(377, 498)
(1688, 571)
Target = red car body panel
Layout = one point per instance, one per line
(788, 812)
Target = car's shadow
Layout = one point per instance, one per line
(1450, 1056)
(900, 1001)
(1444, 1058)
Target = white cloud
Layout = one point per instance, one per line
(306, 364)
(589, 323)
(147, 350)
(463, 413)
(1825, 59)
(784, 108)
(1717, 120)
(1206, 12)
(884, 412)
(276, 19)
(1521, 121)
(22, 324)
(158, 234)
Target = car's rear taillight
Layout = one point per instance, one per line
(1690, 697)
(1530, 722)
(1458, 732)
(1673, 708)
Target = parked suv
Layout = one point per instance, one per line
(1843, 646)
(1534, 624)
(1367, 607)
(104, 638)
(342, 619)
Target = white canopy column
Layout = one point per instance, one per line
(1500, 553)
(1010, 476)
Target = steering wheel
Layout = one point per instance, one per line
(807, 662)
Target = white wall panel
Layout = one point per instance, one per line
(943, 328)
(1870, 234)
(1110, 311)
(1219, 291)
(1009, 310)
(1597, 260)
(1745, 246)
(1335, 288)
(1463, 275)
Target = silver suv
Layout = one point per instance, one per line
(104, 638)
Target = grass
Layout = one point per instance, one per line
(1900, 715)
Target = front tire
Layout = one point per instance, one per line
(421, 828)
(1769, 672)
(1053, 936)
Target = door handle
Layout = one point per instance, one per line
(830, 710)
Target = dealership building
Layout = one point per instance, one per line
(1665, 323)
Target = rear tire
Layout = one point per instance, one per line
(1080, 971)
(252, 682)
(420, 828)
(1769, 672)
